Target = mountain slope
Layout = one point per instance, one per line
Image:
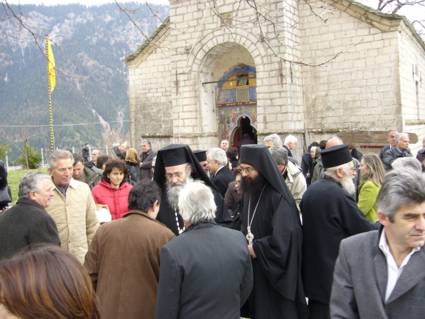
(89, 44)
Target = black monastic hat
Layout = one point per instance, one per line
(177, 154)
(172, 156)
(335, 156)
(260, 158)
(201, 155)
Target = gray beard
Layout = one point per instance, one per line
(348, 184)
(173, 193)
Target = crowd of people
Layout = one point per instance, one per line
(252, 232)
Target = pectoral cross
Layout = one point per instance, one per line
(249, 236)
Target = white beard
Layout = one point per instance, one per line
(348, 184)
(173, 193)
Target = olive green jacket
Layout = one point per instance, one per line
(367, 199)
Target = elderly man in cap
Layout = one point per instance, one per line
(176, 166)
(330, 214)
(206, 271)
(270, 221)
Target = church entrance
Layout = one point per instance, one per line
(228, 94)
(236, 104)
(244, 133)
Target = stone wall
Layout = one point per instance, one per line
(200, 29)
(150, 86)
(357, 89)
(412, 73)
(322, 67)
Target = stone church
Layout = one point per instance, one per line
(230, 69)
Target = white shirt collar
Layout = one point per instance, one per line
(393, 271)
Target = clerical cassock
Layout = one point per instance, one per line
(177, 154)
(270, 215)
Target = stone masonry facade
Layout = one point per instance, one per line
(322, 67)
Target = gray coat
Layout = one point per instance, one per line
(391, 154)
(360, 281)
(205, 273)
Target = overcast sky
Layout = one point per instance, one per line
(86, 2)
(413, 12)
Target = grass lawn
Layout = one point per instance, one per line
(14, 177)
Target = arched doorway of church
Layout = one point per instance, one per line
(243, 133)
(228, 92)
(237, 105)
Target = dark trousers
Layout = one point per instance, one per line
(318, 310)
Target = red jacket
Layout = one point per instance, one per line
(115, 198)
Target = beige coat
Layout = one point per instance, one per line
(123, 263)
(296, 183)
(75, 217)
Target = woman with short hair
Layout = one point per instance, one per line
(46, 282)
(112, 191)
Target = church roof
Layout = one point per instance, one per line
(148, 41)
(367, 14)
(375, 17)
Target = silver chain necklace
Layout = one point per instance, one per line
(180, 230)
(250, 235)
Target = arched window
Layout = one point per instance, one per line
(237, 87)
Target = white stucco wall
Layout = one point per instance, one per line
(412, 69)
(279, 95)
(365, 86)
(150, 86)
(358, 89)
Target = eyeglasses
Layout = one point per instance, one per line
(247, 169)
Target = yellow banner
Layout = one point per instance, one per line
(50, 66)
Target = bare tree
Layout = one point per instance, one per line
(404, 7)
(394, 6)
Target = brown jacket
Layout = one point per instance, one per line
(123, 263)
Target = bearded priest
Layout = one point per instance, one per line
(272, 227)
(176, 166)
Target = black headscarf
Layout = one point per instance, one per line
(177, 154)
(260, 158)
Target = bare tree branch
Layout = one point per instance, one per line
(21, 22)
(130, 18)
(312, 10)
(154, 13)
(383, 3)
(421, 24)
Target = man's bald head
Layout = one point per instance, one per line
(333, 141)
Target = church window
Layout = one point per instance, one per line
(243, 80)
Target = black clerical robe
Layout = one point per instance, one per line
(278, 289)
(167, 215)
(330, 214)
